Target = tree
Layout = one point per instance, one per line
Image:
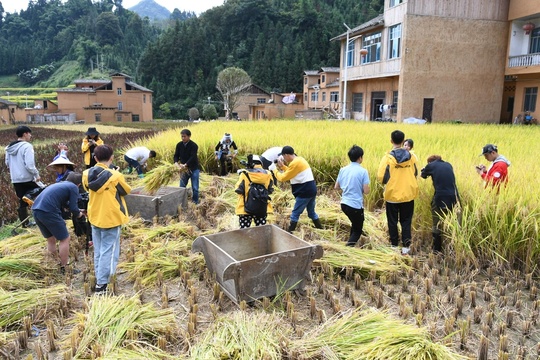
(193, 113)
(232, 83)
(209, 112)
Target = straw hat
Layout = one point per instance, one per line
(59, 161)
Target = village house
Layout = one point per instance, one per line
(115, 100)
(321, 92)
(258, 104)
(436, 60)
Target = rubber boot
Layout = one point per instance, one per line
(317, 223)
(292, 226)
(437, 243)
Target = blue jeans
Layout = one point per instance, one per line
(106, 252)
(194, 176)
(134, 164)
(300, 205)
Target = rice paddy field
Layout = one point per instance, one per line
(478, 301)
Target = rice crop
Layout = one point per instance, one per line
(160, 176)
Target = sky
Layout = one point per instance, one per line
(197, 6)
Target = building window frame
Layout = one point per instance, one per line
(334, 96)
(349, 53)
(324, 96)
(135, 118)
(534, 46)
(261, 101)
(323, 78)
(119, 117)
(529, 99)
(97, 117)
(372, 43)
(315, 96)
(394, 41)
(395, 3)
(119, 91)
(144, 98)
(358, 102)
(120, 106)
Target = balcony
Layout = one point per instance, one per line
(524, 60)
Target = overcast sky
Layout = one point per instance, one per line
(197, 6)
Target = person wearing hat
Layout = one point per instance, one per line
(497, 173)
(253, 174)
(137, 157)
(224, 154)
(89, 143)
(303, 185)
(62, 166)
(48, 210)
(22, 168)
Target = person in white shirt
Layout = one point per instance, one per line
(137, 157)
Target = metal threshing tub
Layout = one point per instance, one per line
(165, 201)
(257, 262)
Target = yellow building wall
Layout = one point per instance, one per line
(451, 60)
(368, 87)
(521, 8)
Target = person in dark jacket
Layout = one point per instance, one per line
(48, 210)
(22, 168)
(185, 157)
(226, 151)
(446, 194)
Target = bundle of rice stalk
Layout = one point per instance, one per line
(137, 352)
(16, 305)
(30, 263)
(160, 176)
(20, 243)
(363, 261)
(373, 335)
(16, 282)
(172, 231)
(242, 335)
(6, 337)
(112, 322)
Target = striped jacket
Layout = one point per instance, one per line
(299, 173)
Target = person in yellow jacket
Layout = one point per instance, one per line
(107, 212)
(258, 175)
(398, 173)
(89, 143)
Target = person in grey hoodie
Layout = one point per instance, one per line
(22, 168)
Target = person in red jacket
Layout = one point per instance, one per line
(497, 173)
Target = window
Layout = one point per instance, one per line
(357, 102)
(120, 105)
(334, 96)
(323, 78)
(535, 41)
(395, 2)
(530, 99)
(97, 117)
(135, 118)
(305, 97)
(394, 42)
(349, 56)
(119, 117)
(372, 43)
(305, 81)
(261, 101)
(119, 91)
(324, 96)
(315, 96)
(144, 98)
(394, 102)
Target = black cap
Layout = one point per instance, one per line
(488, 148)
(287, 150)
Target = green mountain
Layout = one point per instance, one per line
(151, 9)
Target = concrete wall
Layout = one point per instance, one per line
(522, 8)
(457, 62)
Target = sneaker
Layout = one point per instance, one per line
(141, 176)
(405, 251)
(101, 289)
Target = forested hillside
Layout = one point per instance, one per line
(273, 40)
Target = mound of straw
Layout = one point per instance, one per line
(373, 335)
(240, 335)
(24, 242)
(116, 323)
(38, 303)
(160, 176)
(363, 261)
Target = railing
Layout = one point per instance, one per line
(524, 60)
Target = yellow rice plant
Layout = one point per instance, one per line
(6, 337)
(115, 323)
(160, 176)
(243, 336)
(507, 233)
(27, 241)
(363, 261)
(368, 335)
(38, 303)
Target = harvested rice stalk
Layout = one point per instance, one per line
(242, 335)
(107, 326)
(369, 335)
(20, 243)
(7, 337)
(362, 261)
(29, 263)
(160, 176)
(14, 306)
(16, 282)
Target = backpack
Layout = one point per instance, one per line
(256, 201)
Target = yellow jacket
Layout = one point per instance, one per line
(257, 175)
(398, 171)
(85, 148)
(107, 188)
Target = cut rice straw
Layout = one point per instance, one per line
(161, 176)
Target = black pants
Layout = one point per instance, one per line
(226, 164)
(21, 189)
(357, 222)
(402, 212)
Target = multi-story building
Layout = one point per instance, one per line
(522, 72)
(321, 90)
(437, 60)
(115, 100)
